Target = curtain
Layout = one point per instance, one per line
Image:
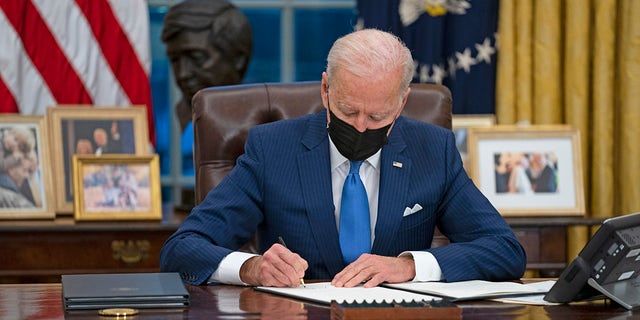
(577, 62)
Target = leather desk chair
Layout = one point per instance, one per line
(222, 117)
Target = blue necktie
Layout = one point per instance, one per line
(355, 231)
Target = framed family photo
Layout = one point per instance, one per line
(116, 187)
(528, 171)
(84, 129)
(460, 123)
(25, 174)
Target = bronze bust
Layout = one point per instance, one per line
(209, 43)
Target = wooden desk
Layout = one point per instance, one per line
(42, 250)
(43, 301)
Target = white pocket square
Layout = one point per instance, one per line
(410, 211)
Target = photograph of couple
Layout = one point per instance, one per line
(526, 172)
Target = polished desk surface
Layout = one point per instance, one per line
(43, 301)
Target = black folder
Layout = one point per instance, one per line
(123, 290)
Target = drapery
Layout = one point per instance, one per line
(577, 62)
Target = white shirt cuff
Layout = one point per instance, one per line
(228, 271)
(427, 267)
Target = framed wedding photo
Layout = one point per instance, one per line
(528, 170)
(460, 123)
(116, 187)
(25, 174)
(84, 129)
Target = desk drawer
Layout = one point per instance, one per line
(52, 253)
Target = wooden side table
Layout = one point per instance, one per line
(41, 251)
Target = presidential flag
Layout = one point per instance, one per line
(453, 43)
(93, 52)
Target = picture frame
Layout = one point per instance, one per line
(72, 131)
(25, 174)
(528, 170)
(116, 187)
(460, 123)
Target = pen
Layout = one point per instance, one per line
(281, 241)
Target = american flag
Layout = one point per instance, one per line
(74, 52)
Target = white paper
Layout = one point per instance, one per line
(324, 292)
(473, 289)
(536, 299)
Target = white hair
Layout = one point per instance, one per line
(369, 53)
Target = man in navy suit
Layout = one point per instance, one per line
(288, 184)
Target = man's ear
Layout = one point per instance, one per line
(324, 90)
(404, 102)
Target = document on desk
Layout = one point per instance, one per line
(536, 299)
(324, 293)
(470, 290)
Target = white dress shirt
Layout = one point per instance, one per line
(426, 265)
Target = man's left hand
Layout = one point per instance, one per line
(373, 269)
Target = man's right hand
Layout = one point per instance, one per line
(277, 267)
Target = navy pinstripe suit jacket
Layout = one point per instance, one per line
(281, 186)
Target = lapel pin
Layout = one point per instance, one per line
(397, 164)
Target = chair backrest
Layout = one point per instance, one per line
(223, 115)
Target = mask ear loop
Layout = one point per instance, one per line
(328, 109)
(328, 105)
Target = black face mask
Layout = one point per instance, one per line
(353, 144)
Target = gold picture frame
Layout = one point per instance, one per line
(25, 173)
(116, 187)
(472, 120)
(71, 131)
(460, 123)
(528, 170)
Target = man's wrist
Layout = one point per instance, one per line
(228, 270)
(426, 266)
(248, 273)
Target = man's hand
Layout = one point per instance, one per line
(278, 267)
(373, 270)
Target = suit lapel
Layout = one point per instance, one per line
(314, 168)
(395, 173)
